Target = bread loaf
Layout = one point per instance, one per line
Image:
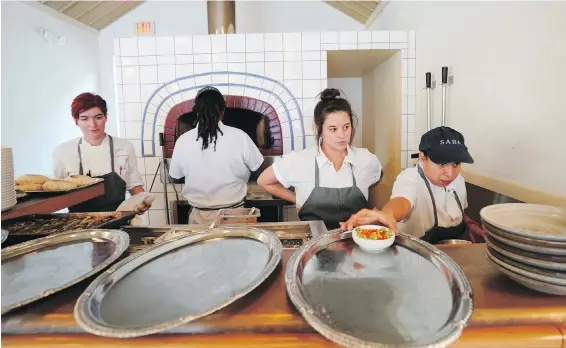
(31, 179)
(59, 185)
(29, 187)
(80, 180)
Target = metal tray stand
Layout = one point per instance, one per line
(41, 267)
(409, 295)
(177, 281)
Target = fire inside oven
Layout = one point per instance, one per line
(253, 123)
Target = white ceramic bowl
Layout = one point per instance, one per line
(371, 245)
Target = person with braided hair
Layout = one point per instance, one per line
(216, 160)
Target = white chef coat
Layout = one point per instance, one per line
(96, 159)
(215, 178)
(410, 185)
(297, 169)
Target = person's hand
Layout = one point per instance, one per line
(370, 217)
(142, 208)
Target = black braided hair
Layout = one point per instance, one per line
(209, 107)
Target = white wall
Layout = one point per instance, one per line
(39, 81)
(508, 99)
(352, 88)
(190, 18)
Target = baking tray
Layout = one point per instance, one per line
(46, 224)
(178, 281)
(94, 182)
(39, 268)
(410, 295)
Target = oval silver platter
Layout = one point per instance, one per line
(178, 281)
(410, 295)
(523, 245)
(41, 267)
(524, 240)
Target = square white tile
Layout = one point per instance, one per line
(273, 56)
(202, 44)
(273, 42)
(165, 46)
(311, 69)
(310, 141)
(131, 93)
(116, 47)
(133, 130)
(254, 43)
(184, 70)
(300, 142)
(132, 112)
(292, 56)
(323, 70)
(411, 141)
(311, 88)
(146, 46)
(218, 43)
(236, 57)
(308, 106)
(291, 42)
(165, 73)
(183, 45)
(219, 67)
(364, 46)
(309, 125)
(364, 36)
(255, 57)
(236, 43)
(129, 61)
(164, 60)
(380, 46)
(398, 36)
(310, 41)
(287, 145)
(348, 46)
(329, 37)
(148, 89)
(380, 36)
(411, 101)
(411, 123)
(130, 75)
(202, 68)
(219, 58)
(129, 47)
(311, 55)
(295, 87)
(255, 68)
(329, 47)
(348, 37)
(237, 67)
(404, 141)
(274, 70)
(140, 162)
(202, 58)
(184, 59)
(412, 68)
(293, 70)
(148, 60)
(404, 123)
(411, 83)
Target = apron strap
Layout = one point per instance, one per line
(431, 195)
(81, 158)
(459, 204)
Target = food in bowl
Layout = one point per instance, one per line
(379, 233)
(373, 238)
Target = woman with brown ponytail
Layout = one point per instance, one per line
(216, 160)
(331, 180)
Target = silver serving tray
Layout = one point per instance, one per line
(411, 294)
(94, 182)
(542, 275)
(41, 267)
(527, 281)
(177, 281)
(525, 243)
(551, 262)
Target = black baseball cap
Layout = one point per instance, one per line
(445, 145)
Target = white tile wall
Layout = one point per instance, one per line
(298, 60)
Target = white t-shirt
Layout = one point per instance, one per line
(215, 178)
(96, 159)
(297, 169)
(410, 185)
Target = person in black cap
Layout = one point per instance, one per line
(428, 200)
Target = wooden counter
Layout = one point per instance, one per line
(46, 203)
(505, 313)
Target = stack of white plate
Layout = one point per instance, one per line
(527, 242)
(8, 185)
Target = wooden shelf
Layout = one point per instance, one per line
(46, 203)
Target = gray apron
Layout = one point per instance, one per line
(332, 205)
(114, 188)
(435, 234)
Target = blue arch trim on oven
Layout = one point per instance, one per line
(228, 84)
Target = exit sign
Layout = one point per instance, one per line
(145, 28)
